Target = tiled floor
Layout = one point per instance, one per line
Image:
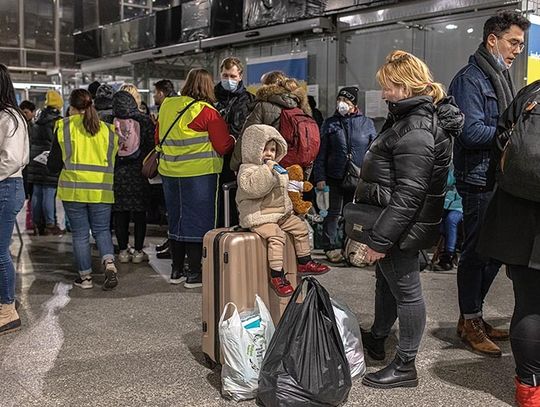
(139, 345)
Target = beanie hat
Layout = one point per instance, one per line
(54, 99)
(93, 87)
(349, 93)
(105, 91)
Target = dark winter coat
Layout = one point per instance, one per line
(511, 228)
(270, 100)
(335, 132)
(131, 189)
(234, 107)
(405, 172)
(41, 138)
(103, 106)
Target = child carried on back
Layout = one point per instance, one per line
(265, 207)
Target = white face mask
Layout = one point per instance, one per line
(342, 108)
(499, 59)
(229, 84)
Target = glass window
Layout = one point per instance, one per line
(39, 24)
(67, 60)
(9, 23)
(130, 12)
(66, 25)
(40, 59)
(10, 57)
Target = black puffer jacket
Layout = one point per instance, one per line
(41, 138)
(405, 171)
(103, 106)
(234, 107)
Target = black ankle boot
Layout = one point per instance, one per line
(373, 346)
(396, 374)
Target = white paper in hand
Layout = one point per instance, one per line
(42, 158)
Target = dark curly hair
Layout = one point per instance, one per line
(502, 21)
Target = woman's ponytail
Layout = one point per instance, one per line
(82, 100)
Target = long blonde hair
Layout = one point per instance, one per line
(404, 69)
(133, 91)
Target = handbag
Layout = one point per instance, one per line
(352, 171)
(151, 161)
(360, 219)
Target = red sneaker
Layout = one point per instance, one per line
(281, 286)
(312, 268)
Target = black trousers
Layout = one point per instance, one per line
(194, 255)
(525, 325)
(121, 228)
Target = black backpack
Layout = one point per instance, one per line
(519, 168)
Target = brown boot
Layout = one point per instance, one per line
(9, 319)
(496, 334)
(475, 336)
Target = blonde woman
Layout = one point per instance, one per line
(404, 172)
(133, 91)
(277, 93)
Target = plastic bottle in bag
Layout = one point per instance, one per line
(322, 196)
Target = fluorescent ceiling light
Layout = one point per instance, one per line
(20, 85)
(451, 26)
(470, 30)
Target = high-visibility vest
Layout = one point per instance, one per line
(88, 173)
(185, 152)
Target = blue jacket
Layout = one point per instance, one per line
(475, 96)
(452, 200)
(332, 157)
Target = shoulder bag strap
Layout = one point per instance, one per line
(347, 139)
(180, 114)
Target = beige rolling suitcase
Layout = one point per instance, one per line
(235, 268)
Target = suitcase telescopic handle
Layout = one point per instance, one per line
(227, 187)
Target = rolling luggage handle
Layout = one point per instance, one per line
(227, 187)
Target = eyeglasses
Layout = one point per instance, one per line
(515, 44)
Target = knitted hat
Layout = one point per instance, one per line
(93, 87)
(349, 93)
(54, 99)
(105, 91)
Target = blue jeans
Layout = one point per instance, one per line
(475, 274)
(11, 202)
(43, 204)
(83, 217)
(398, 295)
(338, 198)
(449, 228)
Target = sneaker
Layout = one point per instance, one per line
(84, 282)
(312, 268)
(165, 254)
(111, 279)
(281, 286)
(334, 256)
(139, 256)
(163, 246)
(54, 230)
(124, 256)
(178, 276)
(193, 280)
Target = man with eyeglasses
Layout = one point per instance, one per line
(482, 89)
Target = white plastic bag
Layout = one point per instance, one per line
(352, 339)
(244, 338)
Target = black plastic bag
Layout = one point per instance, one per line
(305, 363)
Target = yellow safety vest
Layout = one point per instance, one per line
(88, 173)
(185, 152)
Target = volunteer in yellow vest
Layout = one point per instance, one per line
(84, 149)
(190, 162)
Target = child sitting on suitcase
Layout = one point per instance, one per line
(265, 207)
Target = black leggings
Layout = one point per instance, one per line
(194, 255)
(525, 326)
(121, 228)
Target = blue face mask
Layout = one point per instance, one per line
(229, 84)
(499, 59)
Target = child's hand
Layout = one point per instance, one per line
(270, 164)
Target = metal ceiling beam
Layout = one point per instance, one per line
(319, 24)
